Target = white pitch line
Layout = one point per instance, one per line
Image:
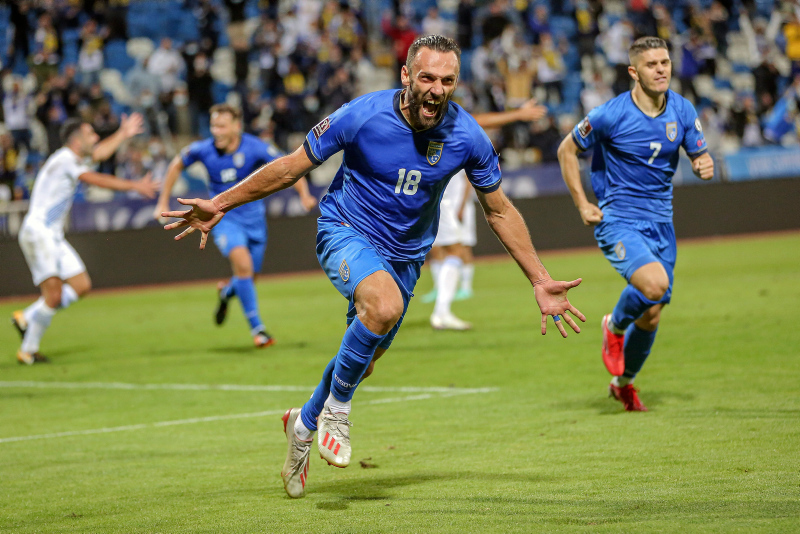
(228, 387)
(143, 426)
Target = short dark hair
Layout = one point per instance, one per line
(226, 108)
(439, 43)
(646, 43)
(70, 128)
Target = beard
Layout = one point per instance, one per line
(415, 100)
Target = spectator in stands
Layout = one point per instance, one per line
(16, 114)
(283, 123)
(495, 21)
(551, 69)
(586, 14)
(745, 122)
(90, 58)
(791, 32)
(200, 97)
(47, 45)
(402, 35)
(363, 71)
(718, 19)
(434, 24)
(641, 15)
(167, 64)
(595, 93)
(346, 30)
(539, 23)
(615, 42)
(18, 17)
(207, 18)
(691, 65)
(9, 160)
(144, 87)
(465, 21)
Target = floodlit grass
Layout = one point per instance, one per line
(545, 450)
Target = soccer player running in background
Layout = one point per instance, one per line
(379, 219)
(57, 269)
(636, 138)
(230, 156)
(451, 256)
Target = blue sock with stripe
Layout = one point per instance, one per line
(637, 347)
(631, 305)
(313, 407)
(354, 356)
(246, 290)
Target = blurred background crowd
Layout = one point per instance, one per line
(288, 64)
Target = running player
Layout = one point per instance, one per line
(379, 219)
(229, 156)
(636, 139)
(57, 270)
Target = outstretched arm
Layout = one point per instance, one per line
(144, 187)
(529, 111)
(129, 126)
(272, 177)
(570, 170)
(173, 172)
(509, 226)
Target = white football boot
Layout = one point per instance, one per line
(333, 437)
(449, 322)
(295, 468)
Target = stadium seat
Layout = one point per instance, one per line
(117, 56)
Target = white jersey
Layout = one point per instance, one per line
(54, 190)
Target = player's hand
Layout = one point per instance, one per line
(531, 111)
(551, 296)
(203, 216)
(146, 186)
(703, 167)
(590, 214)
(309, 202)
(131, 125)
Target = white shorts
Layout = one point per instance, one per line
(451, 230)
(48, 254)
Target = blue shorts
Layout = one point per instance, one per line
(629, 244)
(347, 257)
(230, 233)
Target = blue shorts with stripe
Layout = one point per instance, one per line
(347, 257)
(631, 243)
(230, 233)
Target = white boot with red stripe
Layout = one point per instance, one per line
(333, 437)
(295, 469)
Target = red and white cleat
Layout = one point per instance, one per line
(333, 437)
(613, 349)
(628, 397)
(295, 468)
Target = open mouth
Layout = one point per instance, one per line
(430, 108)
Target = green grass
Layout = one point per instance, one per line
(544, 451)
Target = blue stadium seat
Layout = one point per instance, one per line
(116, 56)
(563, 26)
(219, 91)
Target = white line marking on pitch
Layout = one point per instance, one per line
(229, 387)
(433, 393)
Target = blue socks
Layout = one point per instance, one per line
(343, 373)
(245, 289)
(631, 305)
(637, 347)
(228, 291)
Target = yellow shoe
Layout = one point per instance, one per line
(19, 322)
(29, 359)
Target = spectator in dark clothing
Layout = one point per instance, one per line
(401, 34)
(22, 28)
(464, 23)
(495, 22)
(283, 125)
(545, 137)
(539, 23)
(200, 97)
(766, 84)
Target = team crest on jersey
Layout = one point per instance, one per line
(585, 127)
(434, 152)
(238, 160)
(344, 271)
(672, 131)
(619, 250)
(322, 127)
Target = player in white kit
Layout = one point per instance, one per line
(451, 256)
(56, 268)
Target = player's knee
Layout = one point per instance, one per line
(53, 298)
(649, 321)
(385, 314)
(655, 289)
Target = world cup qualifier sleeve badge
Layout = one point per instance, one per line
(434, 152)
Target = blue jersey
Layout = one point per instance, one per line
(635, 155)
(392, 178)
(226, 170)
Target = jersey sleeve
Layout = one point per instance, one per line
(332, 134)
(190, 154)
(591, 129)
(483, 166)
(694, 142)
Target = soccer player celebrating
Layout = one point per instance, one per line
(379, 219)
(57, 269)
(229, 156)
(636, 139)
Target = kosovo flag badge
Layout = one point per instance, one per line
(434, 152)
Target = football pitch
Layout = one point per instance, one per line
(152, 419)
